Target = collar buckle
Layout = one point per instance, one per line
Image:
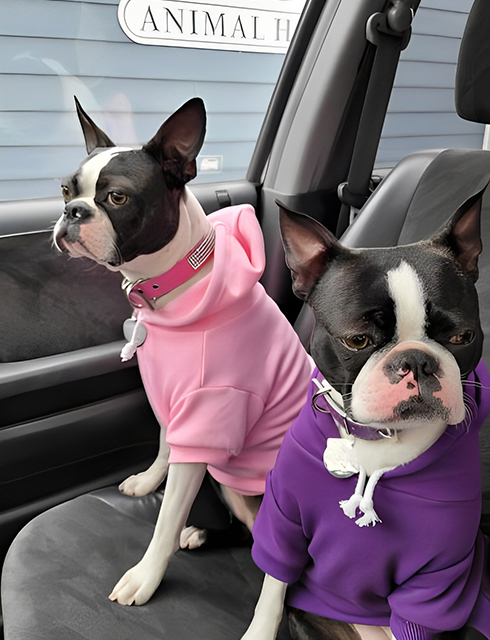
(136, 294)
(340, 417)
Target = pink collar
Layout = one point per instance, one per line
(148, 291)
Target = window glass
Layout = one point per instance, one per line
(421, 113)
(51, 50)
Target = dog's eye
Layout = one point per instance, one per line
(117, 198)
(357, 343)
(65, 192)
(465, 337)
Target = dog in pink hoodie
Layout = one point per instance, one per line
(222, 367)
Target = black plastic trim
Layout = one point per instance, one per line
(31, 375)
(282, 91)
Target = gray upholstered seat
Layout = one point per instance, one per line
(65, 562)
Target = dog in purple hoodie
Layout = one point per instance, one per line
(369, 526)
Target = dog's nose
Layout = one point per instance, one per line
(420, 364)
(77, 210)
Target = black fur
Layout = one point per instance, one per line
(308, 626)
(152, 178)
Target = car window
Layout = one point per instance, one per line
(421, 114)
(53, 50)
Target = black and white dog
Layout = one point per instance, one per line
(397, 333)
(223, 369)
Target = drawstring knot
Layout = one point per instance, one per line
(362, 499)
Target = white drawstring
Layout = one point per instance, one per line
(350, 506)
(130, 347)
(362, 499)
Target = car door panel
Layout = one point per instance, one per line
(54, 304)
(73, 416)
(46, 455)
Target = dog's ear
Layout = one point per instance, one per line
(309, 248)
(463, 236)
(94, 137)
(178, 141)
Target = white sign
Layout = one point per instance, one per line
(259, 26)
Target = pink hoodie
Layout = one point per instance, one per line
(223, 369)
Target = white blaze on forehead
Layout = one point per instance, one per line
(90, 171)
(407, 293)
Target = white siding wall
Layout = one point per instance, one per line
(422, 114)
(53, 49)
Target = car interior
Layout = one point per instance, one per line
(75, 420)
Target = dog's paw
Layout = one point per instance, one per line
(192, 538)
(142, 483)
(137, 585)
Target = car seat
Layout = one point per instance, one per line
(63, 564)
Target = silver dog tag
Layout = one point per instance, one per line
(339, 459)
(128, 330)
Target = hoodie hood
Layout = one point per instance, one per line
(239, 261)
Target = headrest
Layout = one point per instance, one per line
(473, 72)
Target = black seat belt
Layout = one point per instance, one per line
(390, 32)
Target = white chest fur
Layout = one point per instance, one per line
(405, 446)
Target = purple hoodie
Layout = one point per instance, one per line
(420, 570)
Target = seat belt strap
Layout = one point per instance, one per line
(354, 193)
